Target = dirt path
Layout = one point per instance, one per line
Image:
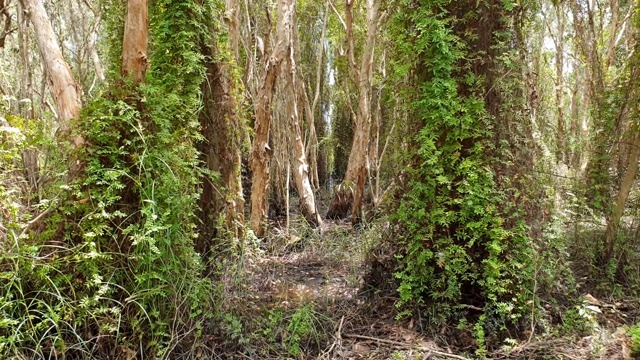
(308, 290)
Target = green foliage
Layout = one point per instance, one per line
(116, 265)
(634, 334)
(461, 245)
(295, 330)
(576, 321)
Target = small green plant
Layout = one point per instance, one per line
(302, 327)
(634, 334)
(292, 330)
(579, 320)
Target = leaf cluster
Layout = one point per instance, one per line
(460, 248)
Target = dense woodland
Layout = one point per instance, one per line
(319, 179)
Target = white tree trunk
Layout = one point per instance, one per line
(66, 92)
(300, 165)
(260, 151)
(358, 166)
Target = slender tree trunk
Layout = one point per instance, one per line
(561, 135)
(300, 166)
(260, 150)
(26, 80)
(233, 27)
(221, 127)
(134, 44)
(311, 149)
(613, 221)
(281, 156)
(66, 92)
(93, 38)
(357, 168)
(628, 179)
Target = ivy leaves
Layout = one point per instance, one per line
(456, 248)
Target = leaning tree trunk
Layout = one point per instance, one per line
(300, 165)
(260, 151)
(66, 92)
(613, 221)
(631, 171)
(357, 168)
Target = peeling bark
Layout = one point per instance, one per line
(134, 44)
(220, 151)
(66, 92)
(260, 151)
(300, 165)
(358, 166)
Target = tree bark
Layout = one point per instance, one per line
(260, 150)
(631, 168)
(134, 44)
(26, 79)
(357, 168)
(221, 128)
(561, 140)
(613, 221)
(66, 92)
(233, 27)
(311, 149)
(300, 165)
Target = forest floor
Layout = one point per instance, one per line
(304, 294)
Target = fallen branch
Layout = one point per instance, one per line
(338, 340)
(405, 346)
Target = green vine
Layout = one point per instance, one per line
(461, 249)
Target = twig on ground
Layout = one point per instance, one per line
(405, 346)
(337, 341)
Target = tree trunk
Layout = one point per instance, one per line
(233, 26)
(357, 168)
(26, 79)
(613, 221)
(93, 39)
(311, 150)
(561, 140)
(281, 156)
(260, 151)
(221, 128)
(66, 92)
(134, 44)
(300, 166)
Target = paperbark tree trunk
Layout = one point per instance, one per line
(561, 136)
(221, 127)
(357, 168)
(66, 92)
(134, 43)
(232, 19)
(260, 150)
(613, 221)
(300, 165)
(311, 149)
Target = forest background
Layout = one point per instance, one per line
(319, 179)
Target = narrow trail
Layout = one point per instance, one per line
(321, 273)
(323, 270)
